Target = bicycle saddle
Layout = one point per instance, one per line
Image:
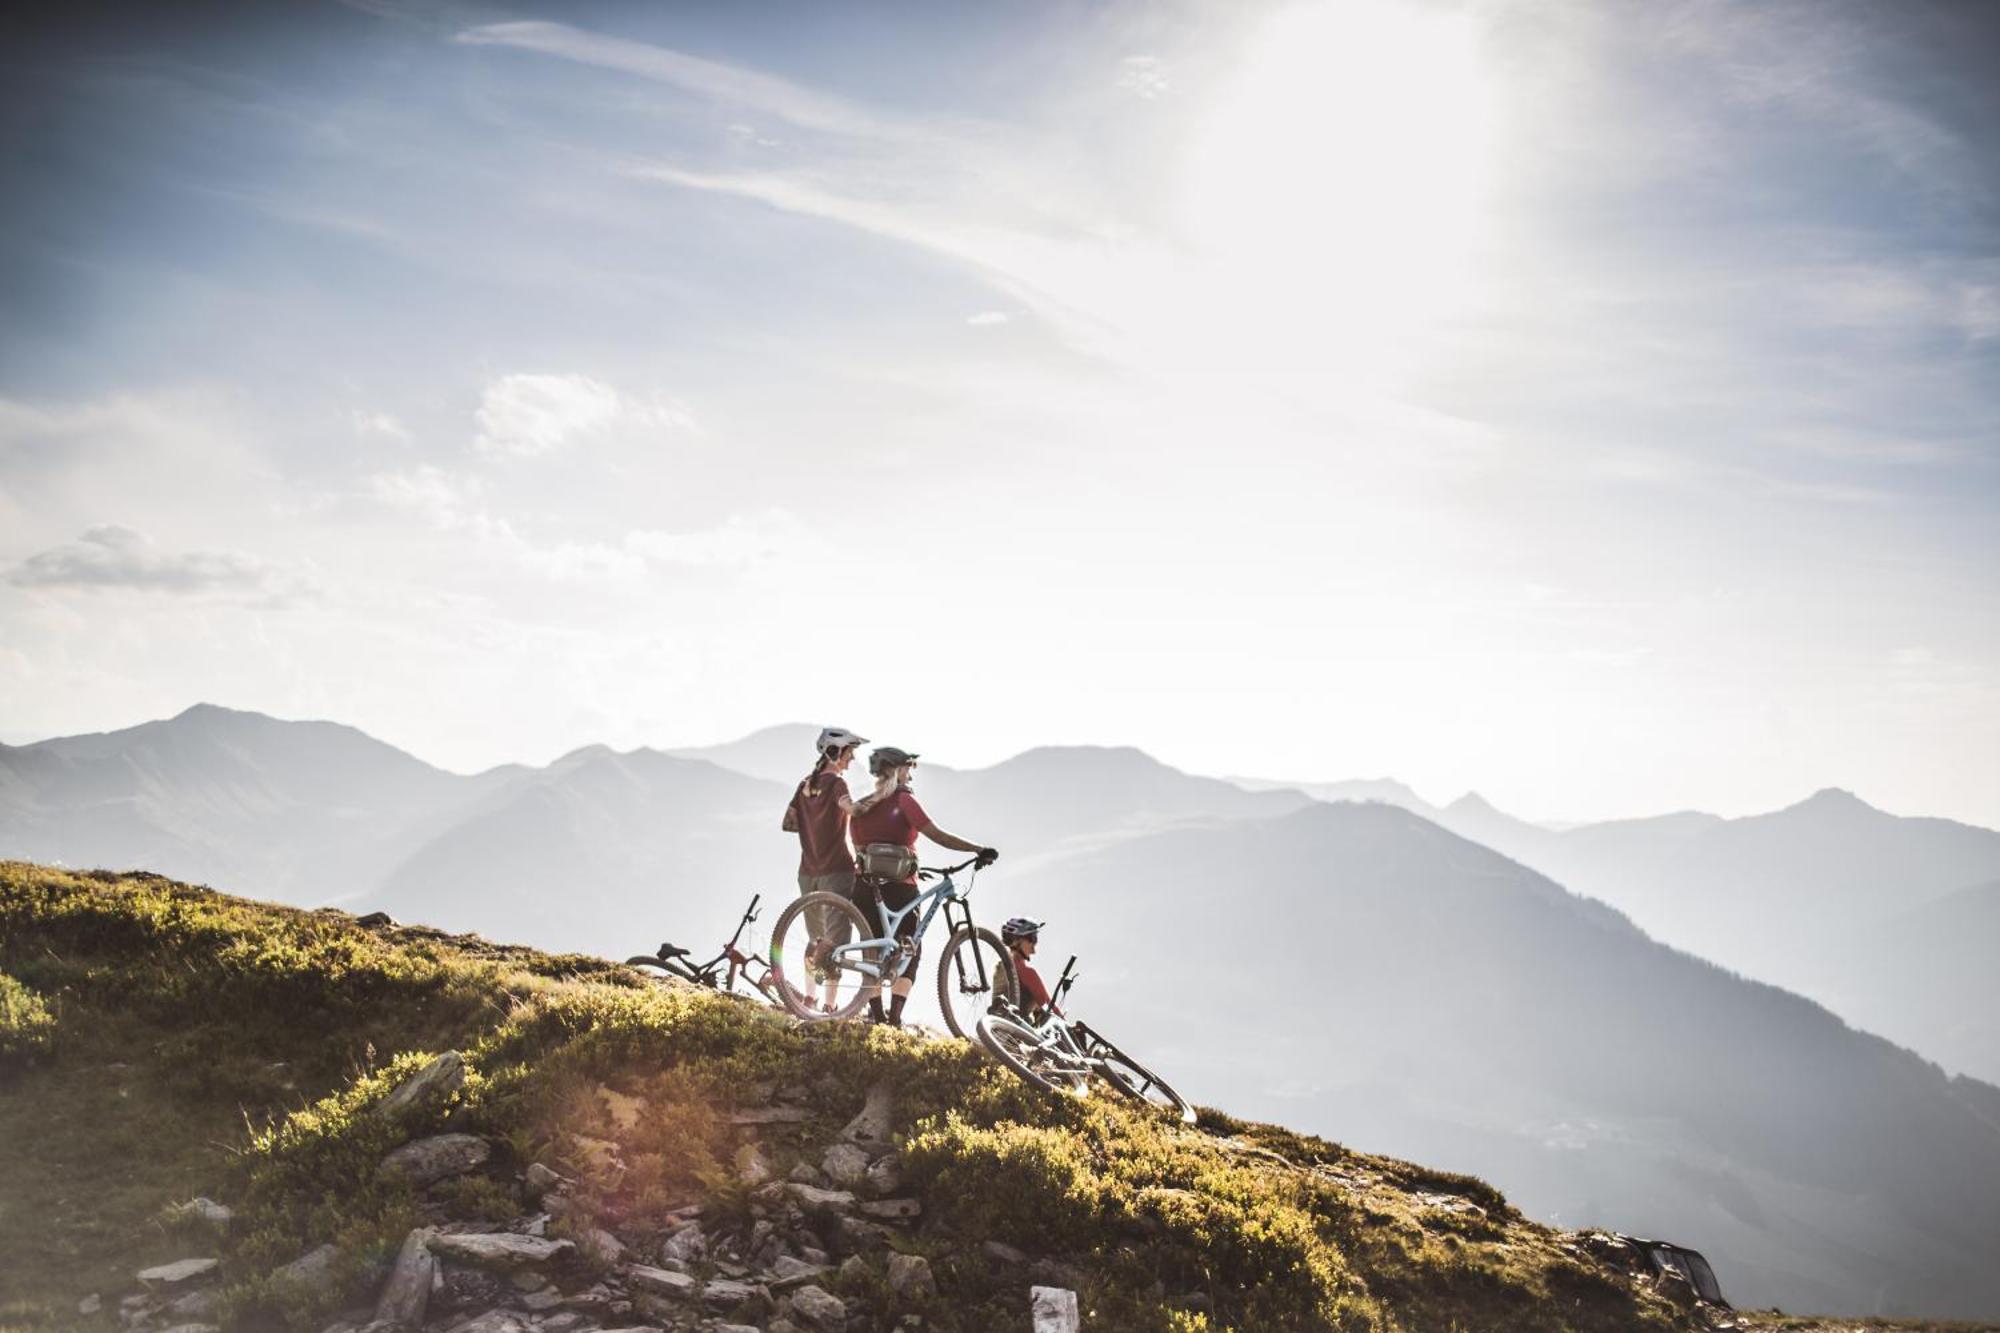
(669, 951)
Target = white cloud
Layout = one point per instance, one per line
(524, 415)
(1143, 77)
(110, 556)
(986, 318)
(381, 423)
(742, 539)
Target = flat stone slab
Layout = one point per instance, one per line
(813, 1199)
(872, 1125)
(440, 1078)
(893, 1210)
(427, 1161)
(500, 1249)
(1053, 1310)
(661, 1281)
(178, 1272)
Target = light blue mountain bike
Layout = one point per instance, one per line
(826, 960)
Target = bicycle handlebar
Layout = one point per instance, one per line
(932, 872)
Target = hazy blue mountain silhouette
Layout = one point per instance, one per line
(1792, 898)
(604, 852)
(1358, 971)
(782, 754)
(304, 810)
(1945, 954)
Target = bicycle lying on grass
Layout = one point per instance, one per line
(839, 961)
(719, 973)
(1053, 1053)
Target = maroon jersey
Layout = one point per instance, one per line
(898, 819)
(822, 825)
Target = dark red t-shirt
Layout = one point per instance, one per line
(898, 819)
(1034, 994)
(822, 826)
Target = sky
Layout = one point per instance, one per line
(1594, 406)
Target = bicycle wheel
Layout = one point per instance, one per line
(975, 971)
(1136, 1081)
(1020, 1048)
(816, 934)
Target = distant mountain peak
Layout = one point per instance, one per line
(1472, 803)
(1835, 799)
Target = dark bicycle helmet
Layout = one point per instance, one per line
(887, 757)
(1020, 928)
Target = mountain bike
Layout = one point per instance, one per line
(839, 962)
(1060, 1056)
(719, 973)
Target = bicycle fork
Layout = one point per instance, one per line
(962, 920)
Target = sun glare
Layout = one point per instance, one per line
(1333, 194)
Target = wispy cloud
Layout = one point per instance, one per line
(729, 84)
(987, 318)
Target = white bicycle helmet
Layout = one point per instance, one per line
(838, 738)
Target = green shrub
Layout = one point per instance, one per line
(27, 1028)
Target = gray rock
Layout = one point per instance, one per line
(813, 1200)
(407, 1293)
(788, 1273)
(90, 1304)
(538, 1180)
(430, 1160)
(494, 1321)
(730, 1328)
(434, 1082)
(805, 1173)
(781, 1326)
(526, 1279)
(548, 1298)
(1053, 1310)
(500, 1249)
(910, 1277)
(204, 1210)
(720, 1293)
(853, 1268)
(1005, 1253)
(602, 1247)
(820, 1309)
(178, 1273)
(315, 1271)
(861, 1237)
(458, 1290)
(567, 1322)
(751, 1167)
(662, 1281)
(892, 1210)
(200, 1304)
(886, 1175)
(813, 1254)
(193, 1328)
(845, 1164)
(875, 1122)
(686, 1245)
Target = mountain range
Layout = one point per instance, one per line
(1385, 976)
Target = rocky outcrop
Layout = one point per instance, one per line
(427, 1161)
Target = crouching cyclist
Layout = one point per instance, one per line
(1021, 937)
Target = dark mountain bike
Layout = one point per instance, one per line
(719, 973)
(837, 961)
(1062, 1057)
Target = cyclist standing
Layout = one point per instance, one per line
(885, 827)
(819, 812)
(1021, 937)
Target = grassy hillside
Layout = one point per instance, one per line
(159, 1041)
